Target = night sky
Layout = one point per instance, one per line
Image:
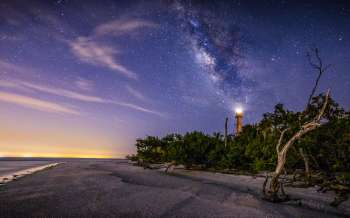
(86, 78)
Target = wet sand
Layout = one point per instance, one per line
(115, 188)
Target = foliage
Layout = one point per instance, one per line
(253, 150)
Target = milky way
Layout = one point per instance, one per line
(87, 78)
(217, 45)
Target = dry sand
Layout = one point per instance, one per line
(115, 188)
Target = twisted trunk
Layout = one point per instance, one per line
(275, 184)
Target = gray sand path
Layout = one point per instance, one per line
(114, 188)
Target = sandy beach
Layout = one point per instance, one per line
(115, 188)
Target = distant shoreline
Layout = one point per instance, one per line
(53, 158)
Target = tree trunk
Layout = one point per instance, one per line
(306, 165)
(281, 160)
(275, 184)
(225, 134)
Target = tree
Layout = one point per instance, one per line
(309, 123)
(275, 184)
(317, 64)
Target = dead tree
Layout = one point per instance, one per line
(275, 190)
(275, 185)
(316, 63)
(225, 133)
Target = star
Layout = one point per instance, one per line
(160, 66)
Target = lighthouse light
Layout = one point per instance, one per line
(239, 110)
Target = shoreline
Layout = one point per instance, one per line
(8, 177)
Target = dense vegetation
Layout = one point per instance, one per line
(326, 149)
(312, 145)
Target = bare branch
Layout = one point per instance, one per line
(276, 184)
(318, 58)
(320, 69)
(318, 118)
(307, 127)
(308, 55)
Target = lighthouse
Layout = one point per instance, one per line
(239, 118)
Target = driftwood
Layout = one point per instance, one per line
(170, 166)
(275, 192)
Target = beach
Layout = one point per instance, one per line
(116, 188)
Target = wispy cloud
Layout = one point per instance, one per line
(76, 95)
(135, 93)
(89, 49)
(36, 104)
(62, 92)
(7, 84)
(84, 84)
(138, 108)
(6, 68)
(122, 27)
(13, 85)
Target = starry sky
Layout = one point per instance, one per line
(86, 78)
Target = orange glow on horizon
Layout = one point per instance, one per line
(29, 133)
(53, 155)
